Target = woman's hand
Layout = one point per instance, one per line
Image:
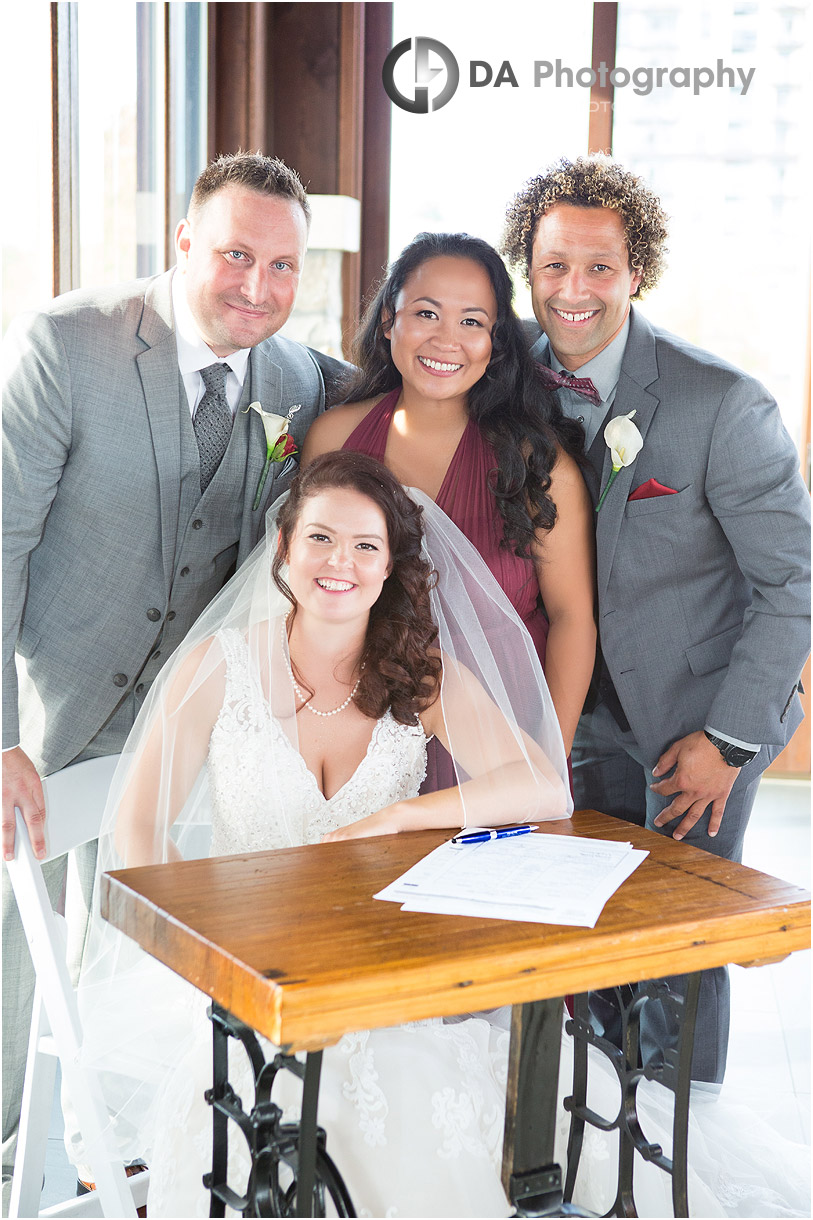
(387, 821)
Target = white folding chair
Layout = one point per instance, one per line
(74, 803)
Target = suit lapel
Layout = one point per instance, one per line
(265, 381)
(161, 383)
(638, 370)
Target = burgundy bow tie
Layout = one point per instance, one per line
(580, 385)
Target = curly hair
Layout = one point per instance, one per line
(591, 182)
(398, 670)
(522, 422)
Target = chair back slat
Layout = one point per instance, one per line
(80, 790)
(74, 803)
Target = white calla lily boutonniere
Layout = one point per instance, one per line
(625, 442)
(278, 444)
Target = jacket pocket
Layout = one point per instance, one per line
(714, 653)
(27, 641)
(659, 504)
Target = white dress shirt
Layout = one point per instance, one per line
(194, 354)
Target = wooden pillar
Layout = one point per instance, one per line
(605, 25)
(375, 194)
(238, 77)
(303, 82)
(350, 142)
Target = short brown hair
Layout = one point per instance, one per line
(591, 182)
(266, 175)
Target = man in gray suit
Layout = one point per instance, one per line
(130, 470)
(702, 541)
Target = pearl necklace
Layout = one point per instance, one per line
(303, 696)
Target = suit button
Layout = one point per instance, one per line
(153, 615)
(184, 571)
(139, 690)
(170, 615)
(120, 680)
(197, 523)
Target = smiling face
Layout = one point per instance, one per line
(440, 337)
(581, 280)
(241, 255)
(339, 555)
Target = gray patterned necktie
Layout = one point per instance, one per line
(212, 422)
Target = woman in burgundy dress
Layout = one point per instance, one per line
(447, 397)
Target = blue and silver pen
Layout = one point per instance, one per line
(502, 832)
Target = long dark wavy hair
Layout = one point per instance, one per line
(399, 672)
(522, 421)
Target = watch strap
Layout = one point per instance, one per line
(733, 755)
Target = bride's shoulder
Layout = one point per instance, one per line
(388, 729)
(332, 428)
(199, 670)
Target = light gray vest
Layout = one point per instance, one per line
(208, 534)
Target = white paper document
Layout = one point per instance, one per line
(539, 878)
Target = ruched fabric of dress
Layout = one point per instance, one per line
(466, 498)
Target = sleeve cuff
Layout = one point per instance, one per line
(735, 741)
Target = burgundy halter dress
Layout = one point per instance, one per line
(466, 499)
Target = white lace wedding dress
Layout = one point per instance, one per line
(414, 1115)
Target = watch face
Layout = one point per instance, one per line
(736, 756)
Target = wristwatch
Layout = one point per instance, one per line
(735, 756)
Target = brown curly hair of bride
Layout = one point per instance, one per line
(399, 670)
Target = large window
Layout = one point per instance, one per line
(107, 88)
(129, 81)
(456, 168)
(732, 170)
(28, 236)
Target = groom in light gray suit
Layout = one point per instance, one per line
(702, 541)
(130, 470)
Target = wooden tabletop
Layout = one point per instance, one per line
(293, 943)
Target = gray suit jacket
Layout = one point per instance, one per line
(93, 513)
(704, 596)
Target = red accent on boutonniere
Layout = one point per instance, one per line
(288, 449)
(651, 489)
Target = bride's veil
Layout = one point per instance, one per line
(480, 635)
(135, 1014)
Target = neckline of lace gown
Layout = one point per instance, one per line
(378, 728)
(240, 679)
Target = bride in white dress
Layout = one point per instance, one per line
(299, 711)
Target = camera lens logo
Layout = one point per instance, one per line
(420, 103)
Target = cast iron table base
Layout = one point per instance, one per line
(292, 1172)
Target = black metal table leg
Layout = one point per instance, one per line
(674, 1074)
(531, 1176)
(533, 1182)
(290, 1169)
(220, 1089)
(306, 1176)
